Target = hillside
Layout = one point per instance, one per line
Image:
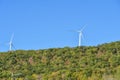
(100, 62)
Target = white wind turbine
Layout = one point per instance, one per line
(80, 36)
(11, 43)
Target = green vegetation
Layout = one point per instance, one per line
(100, 62)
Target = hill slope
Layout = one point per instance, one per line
(100, 62)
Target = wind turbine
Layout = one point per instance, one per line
(80, 35)
(11, 43)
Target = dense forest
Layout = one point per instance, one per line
(100, 62)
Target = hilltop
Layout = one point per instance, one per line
(100, 62)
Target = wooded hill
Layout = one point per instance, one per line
(100, 62)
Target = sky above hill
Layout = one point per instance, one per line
(41, 24)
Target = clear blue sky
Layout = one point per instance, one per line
(40, 24)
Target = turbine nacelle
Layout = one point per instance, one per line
(79, 31)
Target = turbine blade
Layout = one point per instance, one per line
(12, 38)
(83, 28)
(83, 37)
(74, 31)
(14, 47)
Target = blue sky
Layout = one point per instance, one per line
(40, 24)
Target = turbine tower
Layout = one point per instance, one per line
(80, 36)
(11, 43)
